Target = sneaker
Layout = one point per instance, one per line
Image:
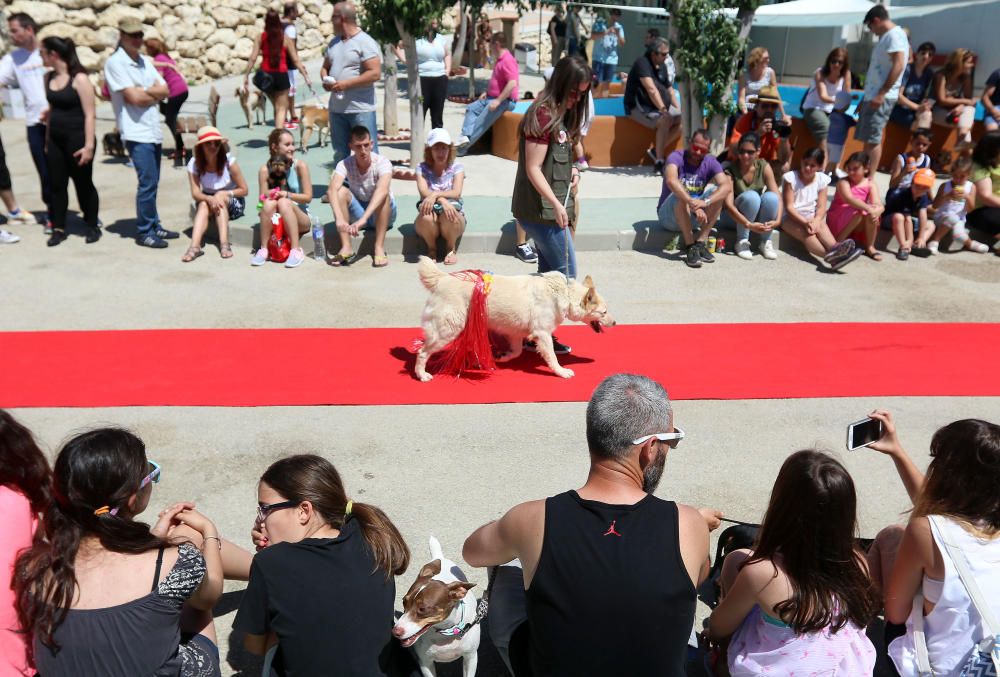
(743, 250)
(703, 252)
(295, 258)
(291, 125)
(259, 258)
(48, 228)
(659, 166)
(23, 217)
(526, 253)
(93, 235)
(767, 250)
(838, 263)
(691, 257)
(56, 238)
(932, 247)
(977, 247)
(165, 234)
(462, 140)
(903, 254)
(151, 241)
(558, 347)
(840, 250)
(7, 237)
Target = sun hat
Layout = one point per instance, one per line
(924, 177)
(768, 94)
(438, 135)
(209, 133)
(130, 25)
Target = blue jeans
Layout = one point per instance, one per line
(36, 143)
(479, 118)
(756, 207)
(340, 132)
(356, 209)
(668, 220)
(555, 248)
(146, 159)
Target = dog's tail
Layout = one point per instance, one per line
(436, 551)
(429, 273)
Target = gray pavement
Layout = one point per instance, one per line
(443, 470)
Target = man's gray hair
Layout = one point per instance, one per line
(624, 407)
(659, 43)
(347, 11)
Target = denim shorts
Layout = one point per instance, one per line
(872, 121)
(356, 209)
(604, 72)
(668, 221)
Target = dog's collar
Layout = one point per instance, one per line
(461, 628)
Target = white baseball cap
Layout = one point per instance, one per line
(438, 135)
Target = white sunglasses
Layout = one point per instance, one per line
(670, 438)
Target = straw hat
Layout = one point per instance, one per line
(130, 25)
(768, 94)
(209, 133)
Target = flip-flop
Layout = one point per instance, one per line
(451, 259)
(192, 253)
(874, 256)
(338, 260)
(226, 250)
(380, 261)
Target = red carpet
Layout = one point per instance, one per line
(245, 367)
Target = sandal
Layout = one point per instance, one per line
(379, 261)
(338, 260)
(226, 250)
(451, 259)
(191, 254)
(874, 256)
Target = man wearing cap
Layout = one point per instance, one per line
(136, 89)
(23, 68)
(650, 98)
(905, 209)
(885, 72)
(610, 549)
(775, 146)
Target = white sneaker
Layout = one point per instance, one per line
(932, 247)
(23, 217)
(767, 250)
(977, 247)
(295, 258)
(6, 237)
(462, 140)
(259, 258)
(743, 250)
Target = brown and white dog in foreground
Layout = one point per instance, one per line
(438, 618)
(518, 307)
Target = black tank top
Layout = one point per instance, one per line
(65, 109)
(611, 595)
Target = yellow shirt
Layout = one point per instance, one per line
(979, 173)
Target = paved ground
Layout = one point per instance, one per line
(443, 470)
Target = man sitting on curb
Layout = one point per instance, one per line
(499, 97)
(609, 570)
(774, 134)
(650, 98)
(365, 201)
(694, 191)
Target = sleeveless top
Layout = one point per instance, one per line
(65, 109)
(954, 624)
(953, 207)
(953, 91)
(611, 594)
(910, 168)
(754, 86)
(265, 50)
(812, 99)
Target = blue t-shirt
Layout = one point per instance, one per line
(606, 47)
(906, 203)
(840, 124)
(693, 178)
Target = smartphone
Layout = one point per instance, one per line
(862, 433)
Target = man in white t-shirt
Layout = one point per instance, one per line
(360, 197)
(136, 90)
(885, 72)
(23, 68)
(288, 17)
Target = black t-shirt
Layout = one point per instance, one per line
(635, 93)
(559, 25)
(332, 614)
(994, 81)
(906, 203)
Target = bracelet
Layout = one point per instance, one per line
(207, 538)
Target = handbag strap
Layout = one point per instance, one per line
(919, 638)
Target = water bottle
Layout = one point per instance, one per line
(318, 232)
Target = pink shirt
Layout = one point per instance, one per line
(504, 71)
(176, 84)
(19, 524)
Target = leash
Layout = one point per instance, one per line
(482, 608)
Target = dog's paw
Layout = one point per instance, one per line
(425, 377)
(565, 373)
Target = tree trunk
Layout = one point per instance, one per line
(390, 117)
(717, 125)
(463, 32)
(416, 97)
(473, 55)
(692, 107)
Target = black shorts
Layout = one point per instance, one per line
(279, 83)
(5, 183)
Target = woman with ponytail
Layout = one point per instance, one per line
(98, 574)
(321, 585)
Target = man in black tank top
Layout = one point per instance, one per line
(609, 569)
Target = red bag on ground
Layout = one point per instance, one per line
(278, 246)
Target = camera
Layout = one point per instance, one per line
(782, 129)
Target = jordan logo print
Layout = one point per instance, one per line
(612, 531)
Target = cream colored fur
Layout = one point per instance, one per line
(312, 117)
(519, 307)
(252, 102)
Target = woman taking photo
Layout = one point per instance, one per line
(833, 77)
(71, 141)
(279, 54)
(217, 188)
(156, 617)
(757, 75)
(290, 200)
(754, 204)
(321, 585)
(176, 87)
(439, 181)
(954, 105)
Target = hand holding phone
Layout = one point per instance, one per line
(888, 443)
(863, 433)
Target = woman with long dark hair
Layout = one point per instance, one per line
(218, 189)
(954, 104)
(279, 54)
(71, 140)
(176, 87)
(801, 599)
(832, 77)
(321, 584)
(104, 594)
(24, 495)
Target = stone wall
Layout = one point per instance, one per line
(208, 38)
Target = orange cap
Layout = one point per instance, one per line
(924, 177)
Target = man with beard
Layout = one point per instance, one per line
(609, 570)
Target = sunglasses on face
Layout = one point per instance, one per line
(837, 62)
(698, 149)
(672, 439)
(135, 36)
(748, 151)
(153, 477)
(265, 509)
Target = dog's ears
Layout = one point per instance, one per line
(588, 282)
(458, 589)
(430, 570)
(590, 298)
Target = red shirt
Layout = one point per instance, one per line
(768, 142)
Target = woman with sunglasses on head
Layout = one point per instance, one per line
(321, 585)
(832, 77)
(217, 188)
(104, 594)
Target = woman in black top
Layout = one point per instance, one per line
(70, 144)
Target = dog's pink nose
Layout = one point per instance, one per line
(397, 631)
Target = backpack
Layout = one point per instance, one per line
(278, 246)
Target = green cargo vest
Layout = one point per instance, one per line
(557, 168)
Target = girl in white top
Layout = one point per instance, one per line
(218, 189)
(805, 201)
(959, 492)
(955, 199)
(758, 75)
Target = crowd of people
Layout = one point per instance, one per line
(94, 589)
(751, 186)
